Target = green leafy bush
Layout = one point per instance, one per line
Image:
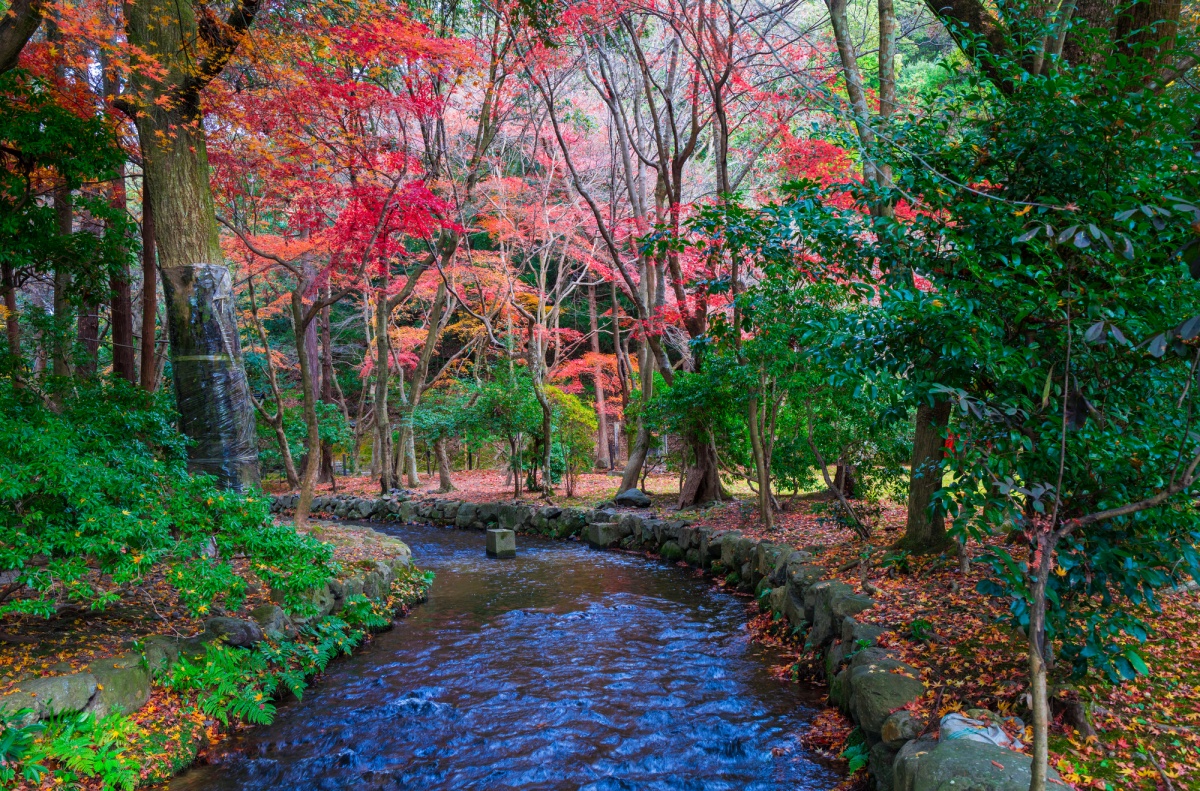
(17, 747)
(95, 496)
(857, 752)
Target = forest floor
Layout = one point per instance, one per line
(971, 656)
(480, 486)
(163, 736)
(1148, 729)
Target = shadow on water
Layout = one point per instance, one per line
(564, 668)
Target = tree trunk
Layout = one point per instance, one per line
(121, 304)
(87, 331)
(212, 394)
(641, 444)
(149, 378)
(844, 478)
(547, 444)
(434, 324)
(122, 329)
(1037, 665)
(514, 462)
(327, 374)
(925, 531)
(410, 458)
(312, 440)
(703, 483)
(12, 326)
(603, 458)
(766, 511)
(60, 352)
(383, 426)
(276, 419)
(443, 459)
(313, 354)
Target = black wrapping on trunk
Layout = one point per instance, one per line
(211, 390)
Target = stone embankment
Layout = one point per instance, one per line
(866, 681)
(123, 682)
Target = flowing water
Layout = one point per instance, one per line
(564, 668)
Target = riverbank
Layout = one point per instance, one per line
(900, 646)
(131, 695)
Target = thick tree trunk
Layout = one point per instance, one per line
(212, 394)
(925, 531)
(603, 458)
(211, 391)
(703, 483)
(148, 372)
(443, 459)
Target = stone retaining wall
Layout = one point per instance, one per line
(866, 681)
(123, 682)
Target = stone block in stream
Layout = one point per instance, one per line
(602, 535)
(501, 543)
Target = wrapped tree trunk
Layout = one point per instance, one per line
(212, 393)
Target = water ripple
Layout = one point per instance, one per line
(562, 669)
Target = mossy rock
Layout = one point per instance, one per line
(123, 684)
(50, 695)
(671, 552)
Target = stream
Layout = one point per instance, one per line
(564, 668)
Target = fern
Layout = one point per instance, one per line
(856, 753)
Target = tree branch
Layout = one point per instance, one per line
(224, 40)
(17, 26)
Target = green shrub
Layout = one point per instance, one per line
(95, 496)
(17, 747)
